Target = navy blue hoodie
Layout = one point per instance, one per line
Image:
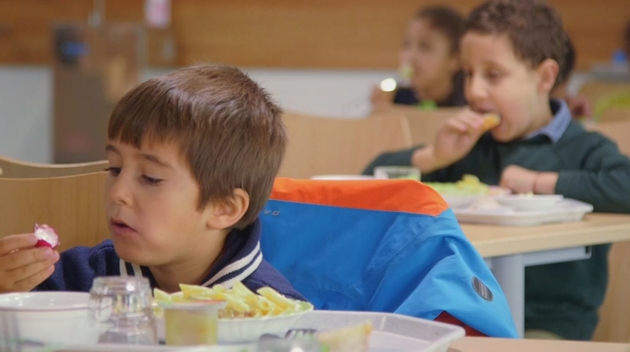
(241, 260)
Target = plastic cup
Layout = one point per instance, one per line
(192, 323)
(122, 308)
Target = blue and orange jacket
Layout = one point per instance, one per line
(382, 245)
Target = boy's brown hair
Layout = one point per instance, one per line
(229, 131)
(533, 27)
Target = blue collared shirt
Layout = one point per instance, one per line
(558, 125)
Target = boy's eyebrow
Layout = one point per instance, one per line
(149, 157)
(111, 148)
(155, 159)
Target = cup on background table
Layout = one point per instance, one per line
(397, 172)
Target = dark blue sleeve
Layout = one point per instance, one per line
(603, 180)
(77, 268)
(267, 275)
(405, 96)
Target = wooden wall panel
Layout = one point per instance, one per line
(285, 33)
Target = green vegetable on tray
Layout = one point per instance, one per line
(469, 185)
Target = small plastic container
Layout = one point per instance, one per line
(191, 323)
(397, 172)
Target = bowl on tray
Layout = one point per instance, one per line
(530, 202)
(46, 319)
(249, 329)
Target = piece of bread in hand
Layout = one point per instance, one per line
(490, 121)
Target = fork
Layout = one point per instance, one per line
(297, 333)
(291, 334)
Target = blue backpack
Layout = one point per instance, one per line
(381, 245)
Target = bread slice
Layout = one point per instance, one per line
(354, 338)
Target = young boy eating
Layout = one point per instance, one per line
(193, 156)
(511, 54)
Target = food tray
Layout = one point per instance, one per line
(392, 333)
(568, 210)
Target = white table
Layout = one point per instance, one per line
(484, 344)
(509, 250)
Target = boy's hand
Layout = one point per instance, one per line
(22, 265)
(518, 179)
(382, 99)
(455, 139)
(522, 180)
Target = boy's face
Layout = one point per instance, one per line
(151, 201)
(498, 81)
(428, 51)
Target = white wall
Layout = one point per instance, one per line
(26, 101)
(25, 113)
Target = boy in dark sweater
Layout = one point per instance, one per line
(193, 156)
(511, 53)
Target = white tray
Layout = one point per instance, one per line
(392, 333)
(568, 210)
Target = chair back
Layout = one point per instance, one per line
(11, 168)
(325, 146)
(423, 124)
(72, 205)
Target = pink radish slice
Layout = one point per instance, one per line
(46, 236)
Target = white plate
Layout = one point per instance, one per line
(530, 202)
(342, 177)
(567, 210)
(460, 201)
(44, 301)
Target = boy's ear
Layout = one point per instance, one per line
(547, 73)
(224, 214)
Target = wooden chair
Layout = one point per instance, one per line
(323, 146)
(597, 90)
(599, 93)
(614, 322)
(73, 205)
(423, 124)
(11, 168)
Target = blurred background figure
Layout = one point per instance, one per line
(429, 63)
(621, 57)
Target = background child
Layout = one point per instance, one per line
(193, 156)
(431, 51)
(512, 51)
